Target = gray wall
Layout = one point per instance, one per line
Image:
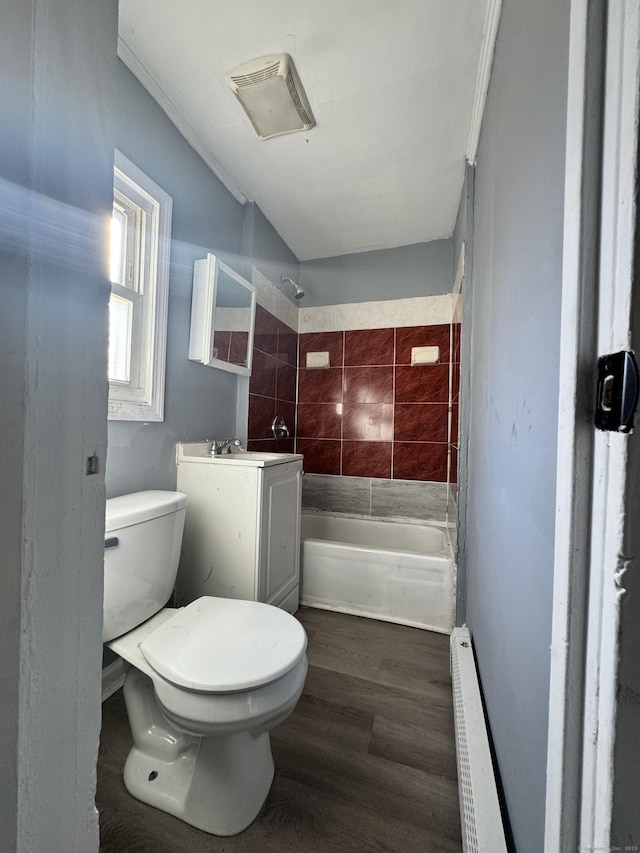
(463, 240)
(200, 402)
(462, 233)
(57, 63)
(423, 269)
(514, 352)
(267, 250)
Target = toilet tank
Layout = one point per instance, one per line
(143, 535)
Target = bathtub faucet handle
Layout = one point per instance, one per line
(279, 428)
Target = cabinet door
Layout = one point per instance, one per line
(279, 570)
(220, 541)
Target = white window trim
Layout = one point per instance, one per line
(150, 407)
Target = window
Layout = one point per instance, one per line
(140, 240)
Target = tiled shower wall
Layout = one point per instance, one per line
(272, 387)
(370, 414)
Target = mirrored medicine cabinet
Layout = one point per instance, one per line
(223, 309)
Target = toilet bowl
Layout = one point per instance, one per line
(205, 683)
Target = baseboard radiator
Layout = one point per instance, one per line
(480, 817)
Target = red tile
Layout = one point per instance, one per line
(261, 414)
(263, 374)
(368, 384)
(287, 344)
(421, 422)
(221, 341)
(287, 410)
(286, 380)
(453, 471)
(420, 461)
(318, 420)
(455, 382)
(320, 386)
(426, 384)
(331, 342)
(267, 445)
(455, 424)
(368, 346)
(368, 422)
(265, 335)
(283, 445)
(238, 348)
(366, 459)
(456, 332)
(421, 336)
(320, 457)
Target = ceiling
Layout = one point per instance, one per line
(393, 87)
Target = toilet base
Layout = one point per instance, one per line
(217, 784)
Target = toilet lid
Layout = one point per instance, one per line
(222, 645)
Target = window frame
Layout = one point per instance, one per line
(142, 399)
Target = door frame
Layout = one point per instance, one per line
(598, 255)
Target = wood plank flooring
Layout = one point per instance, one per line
(365, 763)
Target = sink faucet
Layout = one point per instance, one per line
(218, 447)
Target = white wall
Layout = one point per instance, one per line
(57, 62)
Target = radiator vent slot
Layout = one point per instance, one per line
(259, 76)
(480, 817)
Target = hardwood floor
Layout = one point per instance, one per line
(365, 763)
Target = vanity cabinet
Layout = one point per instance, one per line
(242, 529)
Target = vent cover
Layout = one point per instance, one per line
(272, 96)
(480, 817)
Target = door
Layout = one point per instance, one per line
(279, 571)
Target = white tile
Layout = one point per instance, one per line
(433, 311)
(320, 319)
(457, 309)
(286, 311)
(363, 315)
(383, 314)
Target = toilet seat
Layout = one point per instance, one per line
(218, 645)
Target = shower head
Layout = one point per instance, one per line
(298, 292)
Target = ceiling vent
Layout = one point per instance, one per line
(271, 93)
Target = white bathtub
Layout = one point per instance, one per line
(395, 571)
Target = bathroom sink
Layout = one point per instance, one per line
(201, 451)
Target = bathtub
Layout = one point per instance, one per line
(395, 571)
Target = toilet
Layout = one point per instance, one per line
(205, 683)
